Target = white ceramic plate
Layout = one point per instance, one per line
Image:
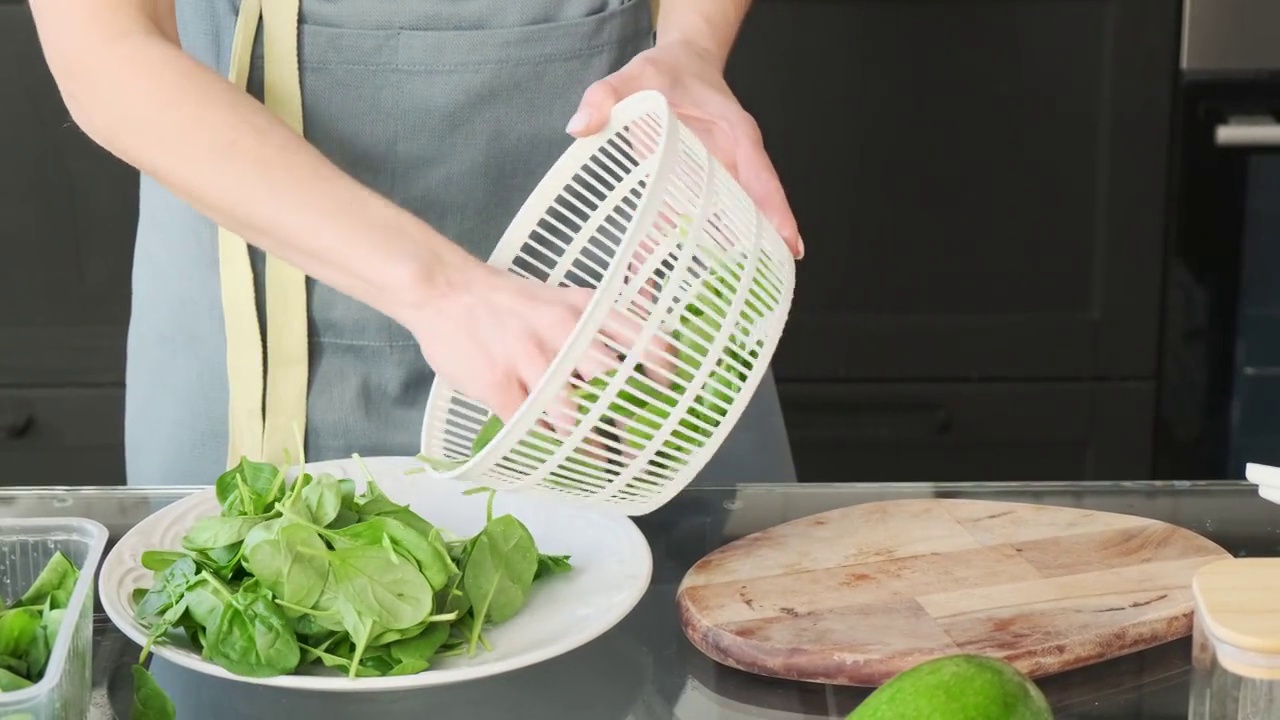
(611, 558)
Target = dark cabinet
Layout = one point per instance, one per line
(981, 187)
(62, 435)
(68, 210)
(969, 432)
(980, 183)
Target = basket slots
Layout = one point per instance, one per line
(692, 290)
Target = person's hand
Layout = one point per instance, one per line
(492, 335)
(693, 83)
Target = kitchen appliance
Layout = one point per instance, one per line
(1219, 398)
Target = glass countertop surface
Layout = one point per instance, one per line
(645, 668)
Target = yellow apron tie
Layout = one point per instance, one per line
(269, 430)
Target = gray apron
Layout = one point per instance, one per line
(452, 108)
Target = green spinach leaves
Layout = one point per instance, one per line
(294, 574)
(29, 627)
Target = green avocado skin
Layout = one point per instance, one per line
(956, 687)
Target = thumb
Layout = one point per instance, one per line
(593, 111)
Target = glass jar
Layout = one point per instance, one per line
(1235, 655)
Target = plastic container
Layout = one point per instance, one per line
(1236, 641)
(692, 289)
(26, 545)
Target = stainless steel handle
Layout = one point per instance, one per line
(1248, 131)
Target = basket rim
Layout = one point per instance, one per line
(97, 536)
(622, 114)
(474, 469)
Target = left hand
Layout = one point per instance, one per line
(694, 85)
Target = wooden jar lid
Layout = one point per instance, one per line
(1238, 600)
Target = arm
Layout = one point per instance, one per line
(131, 88)
(709, 25)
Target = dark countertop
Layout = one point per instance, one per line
(645, 669)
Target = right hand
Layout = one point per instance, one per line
(492, 335)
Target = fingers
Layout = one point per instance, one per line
(759, 178)
(593, 111)
(506, 398)
(624, 329)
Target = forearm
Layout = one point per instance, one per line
(711, 25)
(132, 90)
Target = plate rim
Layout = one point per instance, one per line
(329, 683)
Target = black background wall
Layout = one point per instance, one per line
(981, 186)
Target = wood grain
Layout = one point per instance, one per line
(857, 595)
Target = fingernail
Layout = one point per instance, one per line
(578, 122)
(800, 247)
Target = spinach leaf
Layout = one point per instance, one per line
(323, 499)
(409, 667)
(422, 646)
(210, 533)
(13, 665)
(56, 581)
(253, 638)
(289, 560)
(499, 572)
(552, 565)
(157, 560)
(249, 488)
(387, 589)
(167, 589)
(348, 487)
(37, 657)
(376, 504)
(150, 701)
(432, 558)
(9, 682)
(223, 561)
(18, 628)
(344, 518)
(175, 616)
(29, 629)
(486, 434)
(336, 662)
(359, 628)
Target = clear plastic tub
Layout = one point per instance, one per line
(1236, 642)
(26, 545)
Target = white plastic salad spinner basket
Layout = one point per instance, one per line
(644, 214)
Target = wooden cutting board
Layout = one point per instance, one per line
(857, 595)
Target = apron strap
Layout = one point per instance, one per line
(251, 434)
(287, 359)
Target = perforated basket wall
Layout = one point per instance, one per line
(693, 287)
